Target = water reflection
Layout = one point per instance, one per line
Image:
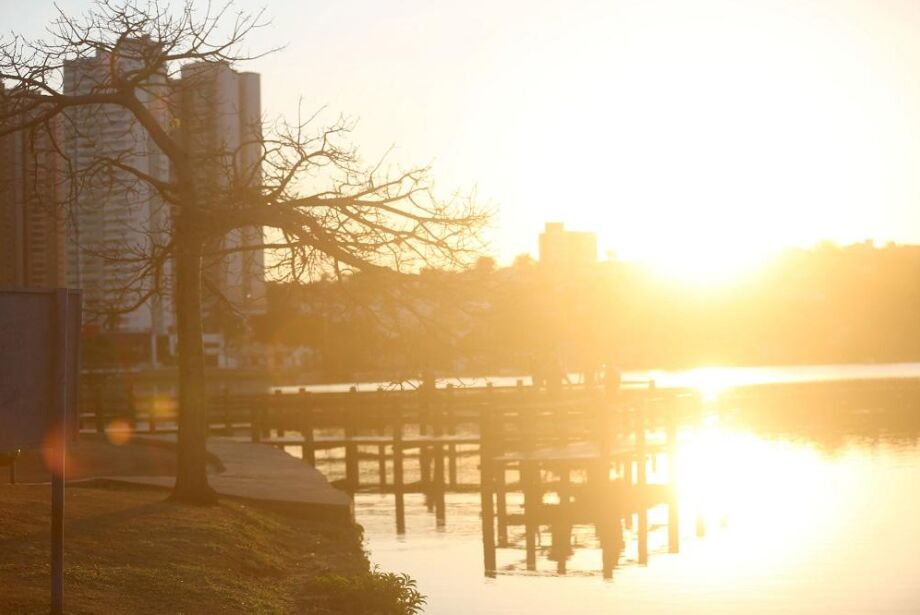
(775, 506)
(564, 547)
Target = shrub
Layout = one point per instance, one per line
(370, 593)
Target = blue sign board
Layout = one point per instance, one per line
(39, 365)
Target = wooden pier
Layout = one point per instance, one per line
(576, 456)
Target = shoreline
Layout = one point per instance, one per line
(127, 549)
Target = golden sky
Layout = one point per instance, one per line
(698, 136)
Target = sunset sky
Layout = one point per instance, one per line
(698, 136)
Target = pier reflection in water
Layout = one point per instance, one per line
(784, 494)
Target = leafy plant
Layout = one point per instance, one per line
(370, 593)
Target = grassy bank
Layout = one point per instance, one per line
(129, 551)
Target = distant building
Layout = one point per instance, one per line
(116, 215)
(221, 123)
(216, 112)
(31, 213)
(564, 250)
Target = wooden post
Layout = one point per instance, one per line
(529, 478)
(643, 534)
(228, 416)
(266, 413)
(99, 404)
(604, 428)
(277, 416)
(496, 419)
(562, 526)
(639, 489)
(602, 500)
(673, 512)
(485, 489)
(308, 448)
(351, 448)
(255, 419)
(152, 415)
(501, 494)
(438, 483)
(450, 420)
(131, 403)
(398, 488)
(604, 529)
(382, 416)
(424, 455)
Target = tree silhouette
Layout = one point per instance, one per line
(322, 210)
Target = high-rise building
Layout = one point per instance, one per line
(565, 251)
(31, 210)
(117, 218)
(221, 125)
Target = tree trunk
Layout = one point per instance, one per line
(192, 467)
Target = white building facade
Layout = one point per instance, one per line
(221, 117)
(116, 217)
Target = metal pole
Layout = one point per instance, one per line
(59, 442)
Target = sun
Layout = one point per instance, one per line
(707, 262)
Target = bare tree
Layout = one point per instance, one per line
(321, 208)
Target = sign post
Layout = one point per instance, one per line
(58, 434)
(39, 369)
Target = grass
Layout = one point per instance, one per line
(128, 550)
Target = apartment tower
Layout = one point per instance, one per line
(31, 209)
(220, 112)
(118, 218)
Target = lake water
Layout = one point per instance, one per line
(771, 520)
(708, 380)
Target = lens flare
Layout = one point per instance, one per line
(118, 432)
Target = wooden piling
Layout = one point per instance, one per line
(382, 416)
(485, 486)
(277, 415)
(225, 407)
(562, 526)
(605, 534)
(255, 421)
(450, 421)
(152, 416)
(99, 406)
(438, 487)
(131, 406)
(501, 498)
(398, 481)
(424, 453)
(308, 448)
(673, 512)
(351, 448)
(641, 470)
(643, 534)
(529, 477)
(529, 473)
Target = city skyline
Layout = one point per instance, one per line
(632, 120)
(431, 307)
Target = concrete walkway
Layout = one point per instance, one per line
(263, 474)
(256, 473)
